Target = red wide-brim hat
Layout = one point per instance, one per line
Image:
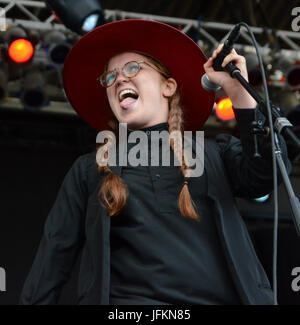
(179, 53)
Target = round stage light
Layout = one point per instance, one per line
(20, 50)
(224, 109)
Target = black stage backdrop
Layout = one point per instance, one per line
(29, 182)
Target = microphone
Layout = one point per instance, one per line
(209, 85)
(227, 47)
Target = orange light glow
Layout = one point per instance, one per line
(224, 109)
(20, 50)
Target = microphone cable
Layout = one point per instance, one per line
(272, 135)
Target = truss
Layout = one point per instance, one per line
(30, 11)
(208, 30)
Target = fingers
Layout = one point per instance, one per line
(232, 56)
(217, 51)
(210, 61)
(219, 48)
(237, 59)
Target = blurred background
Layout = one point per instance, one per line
(41, 135)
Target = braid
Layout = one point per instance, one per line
(185, 202)
(113, 192)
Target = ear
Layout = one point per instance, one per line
(170, 86)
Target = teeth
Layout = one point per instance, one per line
(125, 92)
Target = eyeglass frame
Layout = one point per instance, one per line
(118, 69)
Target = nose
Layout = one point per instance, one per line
(121, 78)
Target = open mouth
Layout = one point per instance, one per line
(127, 98)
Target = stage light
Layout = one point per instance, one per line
(14, 33)
(80, 16)
(291, 70)
(289, 99)
(33, 95)
(262, 199)
(90, 22)
(293, 75)
(56, 47)
(254, 72)
(20, 51)
(224, 109)
(34, 37)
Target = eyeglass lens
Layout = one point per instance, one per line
(130, 69)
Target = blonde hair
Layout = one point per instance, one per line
(113, 193)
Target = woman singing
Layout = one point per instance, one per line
(154, 234)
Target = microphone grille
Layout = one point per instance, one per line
(208, 85)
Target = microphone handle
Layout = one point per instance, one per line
(217, 65)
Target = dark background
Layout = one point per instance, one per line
(36, 151)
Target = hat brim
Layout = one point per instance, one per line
(179, 53)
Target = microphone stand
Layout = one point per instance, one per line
(281, 126)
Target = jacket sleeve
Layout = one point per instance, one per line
(250, 177)
(61, 241)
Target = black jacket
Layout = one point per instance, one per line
(77, 222)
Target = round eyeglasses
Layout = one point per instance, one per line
(129, 70)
